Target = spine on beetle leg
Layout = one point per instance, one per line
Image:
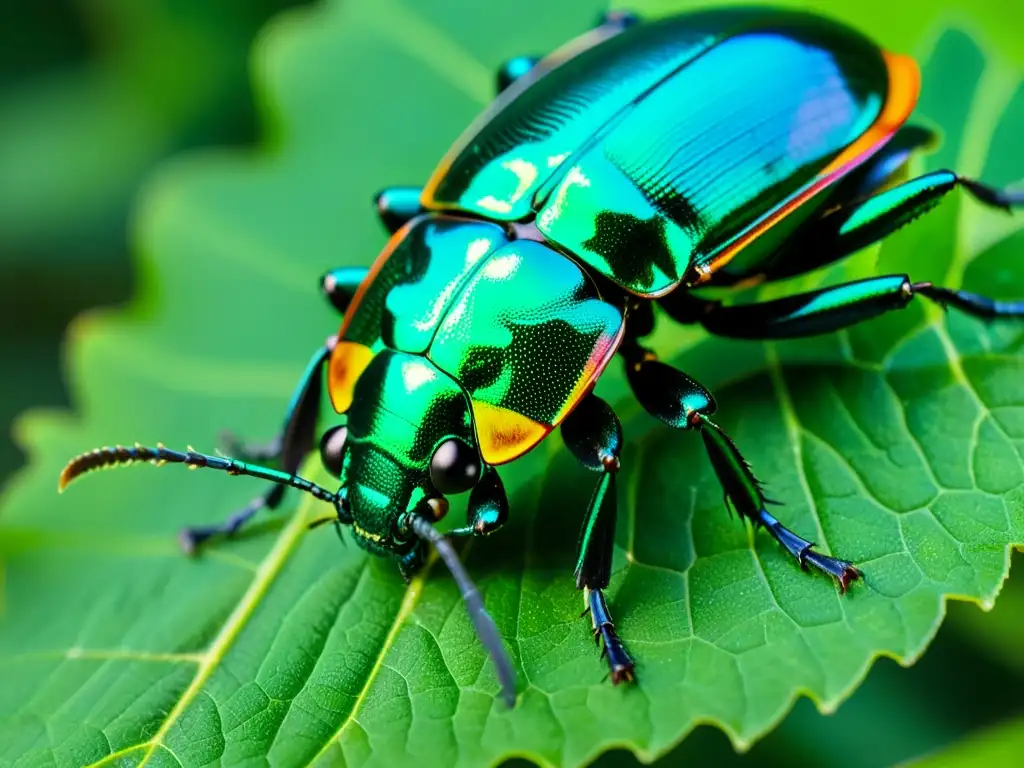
(742, 489)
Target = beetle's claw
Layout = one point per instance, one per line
(189, 541)
(843, 571)
(623, 675)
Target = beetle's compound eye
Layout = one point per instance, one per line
(332, 449)
(455, 467)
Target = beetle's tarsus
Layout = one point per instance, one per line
(843, 571)
(744, 493)
(1004, 199)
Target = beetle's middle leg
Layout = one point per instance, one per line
(593, 434)
(673, 397)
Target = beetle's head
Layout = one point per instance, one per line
(410, 441)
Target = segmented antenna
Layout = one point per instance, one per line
(482, 622)
(119, 455)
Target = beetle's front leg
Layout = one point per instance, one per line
(488, 506)
(294, 443)
(679, 401)
(593, 434)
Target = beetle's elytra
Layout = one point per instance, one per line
(634, 164)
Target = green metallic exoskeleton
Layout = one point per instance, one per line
(631, 166)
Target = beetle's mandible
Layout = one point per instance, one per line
(631, 166)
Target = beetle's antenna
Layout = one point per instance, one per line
(482, 622)
(119, 455)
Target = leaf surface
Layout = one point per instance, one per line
(896, 444)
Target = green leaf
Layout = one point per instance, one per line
(1001, 745)
(896, 444)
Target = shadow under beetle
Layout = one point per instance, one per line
(634, 164)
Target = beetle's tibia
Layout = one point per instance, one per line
(746, 495)
(594, 564)
(619, 661)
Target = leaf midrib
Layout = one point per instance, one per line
(233, 625)
(413, 591)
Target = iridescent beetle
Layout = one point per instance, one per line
(632, 165)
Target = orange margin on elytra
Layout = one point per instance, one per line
(904, 89)
(505, 435)
(350, 359)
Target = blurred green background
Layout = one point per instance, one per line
(94, 93)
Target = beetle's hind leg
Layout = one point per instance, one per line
(854, 225)
(593, 434)
(295, 442)
(837, 307)
(679, 401)
(610, 23)
(619, 20)
(864, 210)
(843, 231)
